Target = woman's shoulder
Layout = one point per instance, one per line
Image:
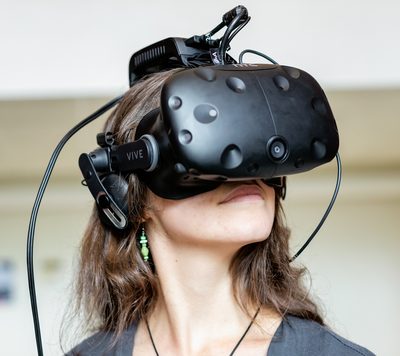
(104, 343)
(298, 336)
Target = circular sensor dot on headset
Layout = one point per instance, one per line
(293, 72)
(318, 149)
(299, 162)
(185, 137)
(253, 168)
(231, 157)
(319, 106)
(206, 74)
(281, 82)
(236, 84)
(205, 113)
(174, 102)
(180, 169)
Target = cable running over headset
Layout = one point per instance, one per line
(185, 170)
(240, 19)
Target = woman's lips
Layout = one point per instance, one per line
(244, 193)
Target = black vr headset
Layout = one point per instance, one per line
(218, 121)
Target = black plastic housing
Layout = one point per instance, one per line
(166, 54)
(237, 122)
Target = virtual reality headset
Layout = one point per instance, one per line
(217, 121)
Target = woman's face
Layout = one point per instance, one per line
(238, 213)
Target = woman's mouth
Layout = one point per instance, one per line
(244, 193)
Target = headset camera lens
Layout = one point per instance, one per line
(277, 149)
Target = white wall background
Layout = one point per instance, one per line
(58, 48)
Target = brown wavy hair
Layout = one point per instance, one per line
(115, 287)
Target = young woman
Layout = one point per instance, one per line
(217, 278)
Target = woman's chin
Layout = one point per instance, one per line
(244, 233)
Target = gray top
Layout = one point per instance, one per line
(294, 336)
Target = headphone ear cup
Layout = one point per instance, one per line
(117, 187)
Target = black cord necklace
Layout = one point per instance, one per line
(232, 352)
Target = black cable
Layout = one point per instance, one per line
(225, 39)
(35, 210)
(238, 30)
(215, 30)
(245, 333)
(256, 53)
(328, 210)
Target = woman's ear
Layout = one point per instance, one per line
(148, 211)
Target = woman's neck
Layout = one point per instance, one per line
(196, 305)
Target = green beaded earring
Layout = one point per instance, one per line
(144, 250)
